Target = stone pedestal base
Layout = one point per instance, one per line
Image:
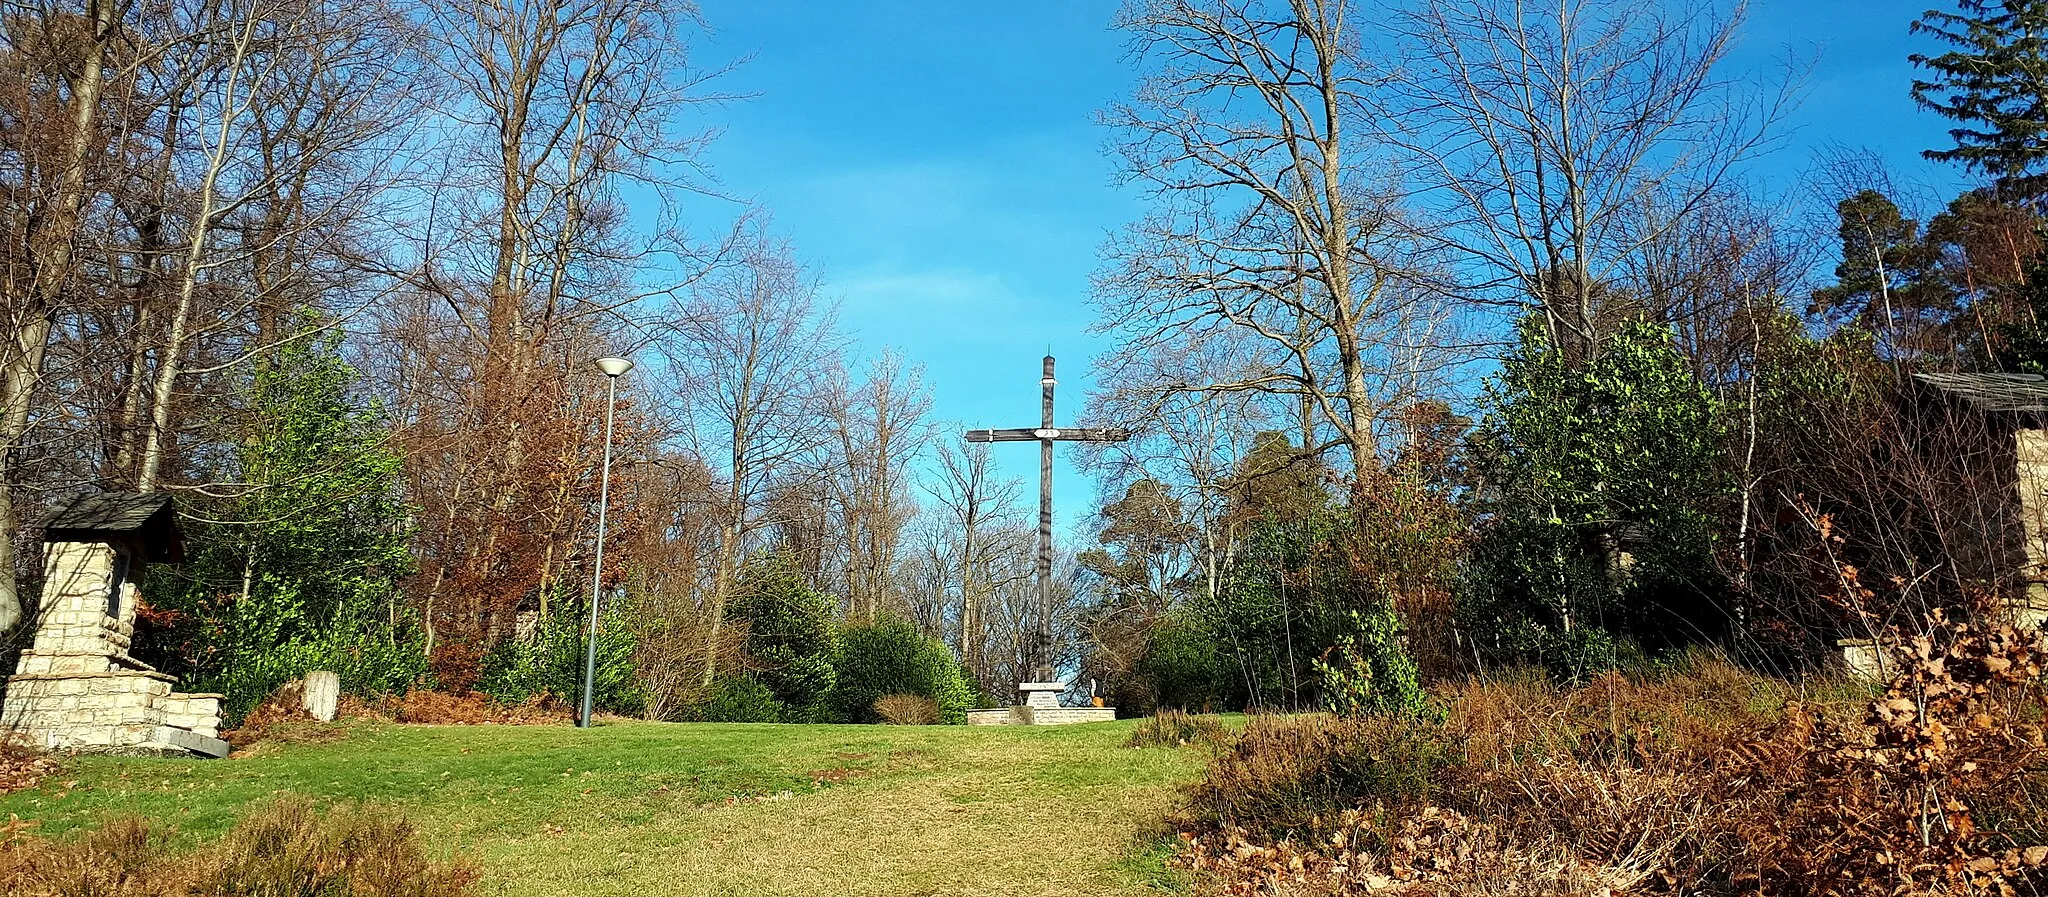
(1039, 716)
(1042, 694)
(117, 711)
(1863, 659)
(1041, 708)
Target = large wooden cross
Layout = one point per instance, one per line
(1045, 434)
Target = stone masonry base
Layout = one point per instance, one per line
(1039, 716)
(118, 711)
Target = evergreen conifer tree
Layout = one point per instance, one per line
(1994, 84)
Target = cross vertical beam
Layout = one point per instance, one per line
(1045, 435)
(1042, 647)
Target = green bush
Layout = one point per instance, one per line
(889, 657)
(740, 699)
(1369, 672)
(790, 634)
(551, 663)
(301, 571)
(1603, 479)
(1184, 666)
(369, 661)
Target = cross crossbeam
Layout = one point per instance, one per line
(1045, 434)
(1075, 434)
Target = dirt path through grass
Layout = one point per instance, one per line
(646, 809)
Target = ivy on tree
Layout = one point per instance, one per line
(297, 569)
(1600, 483)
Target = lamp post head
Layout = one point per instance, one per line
(613, 366)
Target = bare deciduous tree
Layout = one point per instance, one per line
(881, 428)
(974, 508)
(59, 71)
(1556, 142)
(750, 351)
(1267, 230)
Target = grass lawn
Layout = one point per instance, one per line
(649, 809)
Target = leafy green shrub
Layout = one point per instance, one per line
(1178, 728)
(907, 710)
(370, 662)
(740, 699)
(1184, 665)
(790, 634)
(551, 663)
(891, 656)
(1369, 672)
(1604, 472)
(301, 571)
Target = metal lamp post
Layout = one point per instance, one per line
(612, 368)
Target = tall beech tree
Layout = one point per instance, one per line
(58, 76)
(1557, 143)
(745, 348)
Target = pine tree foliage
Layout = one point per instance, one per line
(1890, 281)
(1994, 84)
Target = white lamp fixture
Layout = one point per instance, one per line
(613, 366)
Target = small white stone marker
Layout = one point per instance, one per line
(322, 695)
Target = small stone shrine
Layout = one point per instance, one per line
(76, 688)
(1970, 430)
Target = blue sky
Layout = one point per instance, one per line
(938, 167)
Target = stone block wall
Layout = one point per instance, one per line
(1039, 716)
(108, 711)
(1065, 715)
(2030, 455)
(197, 712)
(74, 632)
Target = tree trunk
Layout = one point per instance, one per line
(50, 250)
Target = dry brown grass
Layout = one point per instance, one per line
(280, 719)
(907, 710)
(285, 849)
(1703, 780)
(1179, 728)
(437, 708)
(1288, 776)
(22, 766)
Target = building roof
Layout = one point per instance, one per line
(149, 517)
(1993, 392)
